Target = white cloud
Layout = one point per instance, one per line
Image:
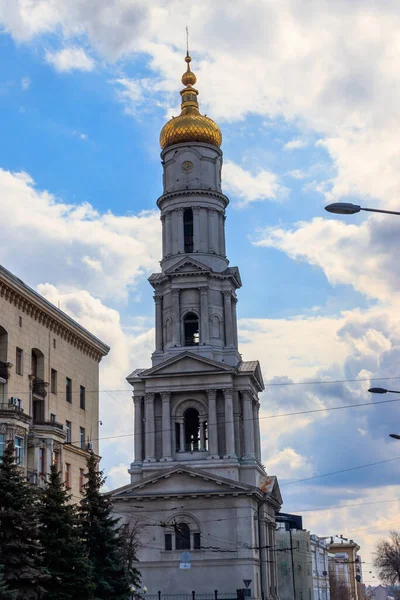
(73, 243)
(248, 187)
(70, 59)
(297, 174)
(291, 464)
(295, 144)
(25, 83)
(80, 135)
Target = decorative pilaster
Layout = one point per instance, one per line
(168, 234)
(257, 439)
(137, 401)
(228, 318)
(204, 324)
(159, 328)
(212, 424)
(166, 426)
(229, 424)
(176, 333)
(212, 231)
(248, 427)
(150, 433)
(203, 230)
(174, 231)
(181, 436)
(202, 436)
(234, 322)
(164, 237)
(264, 561)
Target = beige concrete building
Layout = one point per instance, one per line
(197, 480)
(294, 563)
(49, 381)
(345, 565)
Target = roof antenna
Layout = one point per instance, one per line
(187, 40)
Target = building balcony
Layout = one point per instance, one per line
(39, 387)
(55, 424)
(9, 407)
(44, 428)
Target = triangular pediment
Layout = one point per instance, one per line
(187, 362)
(187, 265)
(269, 485)
(182, 480)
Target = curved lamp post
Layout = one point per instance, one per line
(379, 390)
(346, 208)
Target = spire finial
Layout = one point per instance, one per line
(187, 40)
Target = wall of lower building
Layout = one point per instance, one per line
(297, 573)
(42, 437)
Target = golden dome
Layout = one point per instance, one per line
(190, 126)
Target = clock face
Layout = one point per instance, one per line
(187, 166)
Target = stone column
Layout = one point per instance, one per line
(228, 318)
(164, 237)
(212, 230)
(202, 436)
(159, 327)
(212, 424)
(273, 563)
(150, 429)
(229, 424)
(223, 235)
(168, 232)
(166, 426)
(248, 427)
(264, 560)
(203, 230)
(196, 229)
(138, 428)
(174, 231)
(256, 427)
(204, 328)
(181, 436)
(176, 320)
(179, 232)
(234, 322)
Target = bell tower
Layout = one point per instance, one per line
(195, 293)
(197, 471)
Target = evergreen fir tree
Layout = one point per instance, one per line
(5, 592)
(19, 546)
(64, 555)
(103, 539)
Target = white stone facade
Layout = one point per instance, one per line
(320, 569)
(197, 482)
(40, 347)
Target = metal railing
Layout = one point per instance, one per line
(39, 387)
(48, 423)
(12, 407)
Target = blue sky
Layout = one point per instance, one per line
(306, 98)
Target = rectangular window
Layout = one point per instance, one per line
(41, 461)
(2, 443)
(68, 429)
(82, 437)
(67, 475)
(53, 384)
(196, 541)
(56, 459)
(82, 397)
(54, 343)
(19, 450)
(81, 480)
(168, 541)
(20, 321)
(19, 361)
(68, 389)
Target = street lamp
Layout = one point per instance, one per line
(379, 390)
(346, 208)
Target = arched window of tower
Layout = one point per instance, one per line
(192, 430)
(191, 329)
(182, 537)
(188, 230)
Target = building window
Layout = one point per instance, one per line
(52, 418)
(168, 541)
(41, 461)
(68, 429)
(20, 321)
(19, 361)
(82, 437)
(81, 480)
(53, 381)
(82, 397)
(191, 329)
(192, 430)
(54, 343)
(19, 450)
(56, 459)
(68, 389)
(188, 229)
(182, 537)
(67, 475)
(2, 443)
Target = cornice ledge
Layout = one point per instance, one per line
(193, 192)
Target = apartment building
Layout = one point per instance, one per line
(345, 565)
(293, 556)
(320, 569)
(49, 382)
